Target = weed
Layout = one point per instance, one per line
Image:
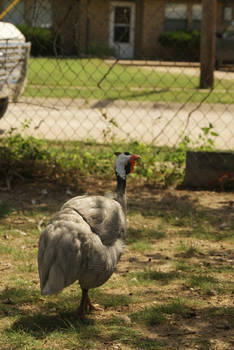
(143, 235)
(207, 138)
(18, 340)
(188, 250)
(108, 131)
(156, 315)
(16, 147)
(16, 253)
(141, 246)
(29, 157)
(185, 267)
(5, 209)
(206, 284)
(178, 307)
(152, 316)
(150, 276)
(222, 311)
(111, 300)
(134, 339)
(19, 295)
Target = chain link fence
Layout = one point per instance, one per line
(122, 70)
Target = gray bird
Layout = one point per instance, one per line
(84, 241)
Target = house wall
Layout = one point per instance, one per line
(65, 18)
(138, 49)
(152, 27)
(98, 23)
(87, 24)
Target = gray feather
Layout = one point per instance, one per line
(83, 242)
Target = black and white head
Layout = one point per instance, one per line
(125, 163)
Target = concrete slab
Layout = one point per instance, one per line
(151, 123)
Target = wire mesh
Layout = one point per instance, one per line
(105, 70)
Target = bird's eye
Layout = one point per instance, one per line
(127, 153)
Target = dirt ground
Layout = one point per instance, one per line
(207, 325)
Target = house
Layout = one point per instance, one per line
(131, 28)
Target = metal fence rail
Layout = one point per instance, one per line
(105, 81)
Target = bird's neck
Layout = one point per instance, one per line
(121, 191)
(121, 185)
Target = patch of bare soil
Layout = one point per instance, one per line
(206, 326)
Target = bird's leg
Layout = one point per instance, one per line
(86, 306)
(83, 308)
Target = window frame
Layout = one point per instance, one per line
(174, 19)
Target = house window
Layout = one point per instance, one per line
(122, 24)
(41, 13)
(227, 13)
(176, 16)
(16, 14)
(196, 16)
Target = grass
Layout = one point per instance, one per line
(5, 209)
(83, 78)
(157, 315)
(150, 276)
(205, 283)
(188, 251)
(171, 289)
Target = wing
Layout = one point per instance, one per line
(60, 252)
(104, 216)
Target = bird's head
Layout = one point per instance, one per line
(125, 163)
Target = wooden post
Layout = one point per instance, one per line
(207, 49)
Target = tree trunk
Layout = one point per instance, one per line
(207, 48)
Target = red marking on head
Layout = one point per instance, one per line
(133, 159)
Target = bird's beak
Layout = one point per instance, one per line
(136, 156)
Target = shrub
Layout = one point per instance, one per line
(184, 44)
(22, 157)
(43, 41)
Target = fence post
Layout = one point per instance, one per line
(207, 48)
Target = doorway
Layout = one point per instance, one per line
(122, 28)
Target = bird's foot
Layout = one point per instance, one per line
(83, 310)
(91, 307)
(86, 306)
(95, 307)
